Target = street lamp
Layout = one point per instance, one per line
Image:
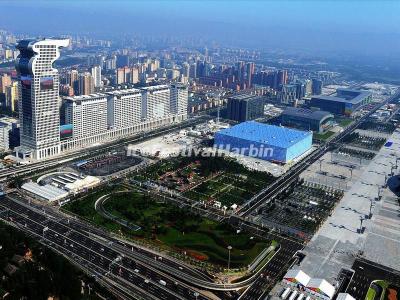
(229, 256)
(361, 224)
(196, 294)
(320, 165)
(370, 209)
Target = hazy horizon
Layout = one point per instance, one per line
(364, 28)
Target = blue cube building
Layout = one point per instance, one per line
(267, 142)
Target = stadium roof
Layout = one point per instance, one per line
(277, 136)
(318, 115)
(346, 96)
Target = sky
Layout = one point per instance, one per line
(363, 27)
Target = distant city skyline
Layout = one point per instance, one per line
(352, 27)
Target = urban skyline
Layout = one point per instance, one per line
(199, 150)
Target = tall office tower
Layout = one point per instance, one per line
(308, 84)
(87, 114)
(134, 75)
(110, 63)
(185, 70)
(271, 79)
(100, 59)
(240, 71)
(199, 69)
(4, 136)
(179, 99)
(73, 80)
(193, 71)
(124, 108)
(120, 76)
(96, 74)
(287, 95)
(5, 80)
(316, 86)
(300, 90)
(245, 107)
(122, 61)
(39, 97)
(156, 102)
(86, 84)
(207, 69)
(282, 77)
(250, 68)
(173, 74)
(12, 95)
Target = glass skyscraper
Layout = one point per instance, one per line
(39, 97)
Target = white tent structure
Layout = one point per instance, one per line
(321, 288)
(345, 296)
(80, 184)
(295, 277)
(47, 192)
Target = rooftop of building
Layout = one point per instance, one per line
(346, 96)
(26, 43)
(179, 85)
(124, 92)
(318, 115)
(244, 97)
(86, 97)
(277, 136)
(155, 87)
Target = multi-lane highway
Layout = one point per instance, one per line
(109, 258)
(106, 259)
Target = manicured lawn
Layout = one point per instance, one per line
(164, 223)
(323, 136)
(208, 178)
(345, 122)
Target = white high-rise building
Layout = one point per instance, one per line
(4, 136)
(156, 102)
(124, 108)
(96, 73)
(179, 100)
(39, 97)
(87, 114)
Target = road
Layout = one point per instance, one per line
(107, 256)
(289, 177)
(8, 173)
(94, 253)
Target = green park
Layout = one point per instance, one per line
(167, 225)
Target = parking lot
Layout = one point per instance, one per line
(350, 231)
(107, 164)
(334, 170)
(302, 209)
(366, 272)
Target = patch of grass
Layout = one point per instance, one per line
(370, 294)
(176, 228)
(345, 122)
(207, 178)
(323, 136)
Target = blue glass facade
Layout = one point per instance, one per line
(267, 142)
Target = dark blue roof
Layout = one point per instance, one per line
(277, 136)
